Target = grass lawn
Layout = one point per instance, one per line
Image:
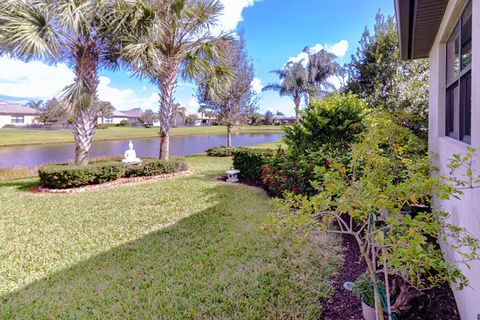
(185, 248)
(9, 137)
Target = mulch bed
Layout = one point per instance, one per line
(344, 305)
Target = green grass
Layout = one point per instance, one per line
(10, 137)
(184, 248)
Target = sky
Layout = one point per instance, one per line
(276, 31)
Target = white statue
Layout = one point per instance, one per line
(130, 155)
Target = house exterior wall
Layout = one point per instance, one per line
(7, 119)
(115, 120)
(465, 212)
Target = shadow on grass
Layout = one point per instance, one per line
(21, 184)
(213, 264)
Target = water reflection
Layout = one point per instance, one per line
(29, 156)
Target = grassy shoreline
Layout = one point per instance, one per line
(22, 137)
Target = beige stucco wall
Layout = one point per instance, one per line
(115, 120)
(7, 119)
(465, 212)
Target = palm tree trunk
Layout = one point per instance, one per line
(84, 100)
(83, 132)
(167, 83)
(229, 135)
(296, 99)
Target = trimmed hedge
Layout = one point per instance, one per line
(221, 151)
(250, 162)
(66, 176)
(155, 167)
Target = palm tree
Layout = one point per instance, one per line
(105, 109)
(62, 31)
(320, 67)
(171, 39)
(35, 104)
(294, 82)
(307, 78)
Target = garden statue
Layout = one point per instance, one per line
(232, 175)
(130, 155)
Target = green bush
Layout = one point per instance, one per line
(332, 124)
(155, 167)
(363, 288)
(66, 176)
(221, 151)
(250, 162)
(11, 126)
(71, 176)
(123, 123)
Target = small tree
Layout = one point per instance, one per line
(105, 109)
(378, 75)
(234, 101)
(53, 112)
(148, 117)
(268, 117)
(388, 173)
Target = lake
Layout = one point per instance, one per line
(37, 155)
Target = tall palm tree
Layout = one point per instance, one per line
(320, 67)
(294, 82)
(172, 39)
(62, 31)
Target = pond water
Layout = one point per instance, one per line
(37, 155)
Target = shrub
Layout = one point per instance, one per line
(148, 126)
(250, 162)
(123, 123)
(221, 151)
(284, 173)
(71, 176)
(363, 288)
(330, 124)
(11, 126)
(67, 176)
(155, 167)
(102, 126)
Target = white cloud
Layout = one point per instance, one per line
(124, 99)
(232, 13)
(257, 85)
(36, 80)
(339, 49)
(33, 80)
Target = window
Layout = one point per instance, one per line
(18, 119)
(458, 109)
(108, 120)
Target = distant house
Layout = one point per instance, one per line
(15, 114)
(133, 116)
(115, 118)
(283, 120)
(448, 32)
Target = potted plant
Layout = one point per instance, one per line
(363, 288)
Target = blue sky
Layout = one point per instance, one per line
(275, 31)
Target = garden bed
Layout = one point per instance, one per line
(70, 177)
(111, 184)
(344, 305)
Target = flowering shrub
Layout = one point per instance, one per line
(283, 174)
